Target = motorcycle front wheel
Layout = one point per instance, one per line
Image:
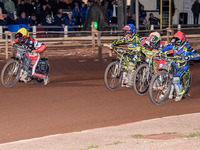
(141, 79)
(113, 76)
(10, 74)
(160, 87)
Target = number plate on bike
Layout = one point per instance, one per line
(167, 65)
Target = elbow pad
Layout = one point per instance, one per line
(41, 48)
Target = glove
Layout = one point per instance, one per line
(111, 46)
(196, 56)
(11, 43)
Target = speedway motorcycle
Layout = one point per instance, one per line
(145, 71)
(161, 86)
(17, 70)
(113, 76)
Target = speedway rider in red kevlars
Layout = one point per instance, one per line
(22, 38)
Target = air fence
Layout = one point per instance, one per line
(56, 34)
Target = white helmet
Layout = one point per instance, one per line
(154, 40)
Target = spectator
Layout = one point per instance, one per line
(144, 25)
(195, 11)
(33, 7)
(28, 8)
(7, 18)
(95, 13)
(142, 14)
(44, 12)
(2, 20)
(59, 20)
(33, 20)
(23, 19)
(38, 7)
(132, 20)
(62, 4)
(153, 20)
(88, 7)
(83, 10)
(108, 12)
(1, 7)
(48, 21)
(10, 8)
(21, 8)
(114, 10)
(76, 14)
(69, 21)
(48, 4)
(74, 3)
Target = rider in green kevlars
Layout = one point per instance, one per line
(133, 40)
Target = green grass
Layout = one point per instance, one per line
(170, 133)
(90, 147)
(77, 131)
(193, 135)
(137, 135)
(114, 143)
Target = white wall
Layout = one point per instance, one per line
(151, 5)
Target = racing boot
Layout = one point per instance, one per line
(46, 80)
(178, 89)
(124, 79)
(130, 75)
(171, 92)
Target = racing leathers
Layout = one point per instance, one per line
(133, 43)
(34, 56)
(181, 67)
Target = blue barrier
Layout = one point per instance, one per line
(16, 27)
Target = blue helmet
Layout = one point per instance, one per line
(129, 29)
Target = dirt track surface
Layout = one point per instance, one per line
(76, 99)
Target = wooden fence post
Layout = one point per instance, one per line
(66, 31)
(99, 44)
(34, 32)
(7, 33)
(93, 37)
(170, 32)
(1, 32)
(179, 27)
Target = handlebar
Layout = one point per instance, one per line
(22, 49)
(174, 59)
(123, 50)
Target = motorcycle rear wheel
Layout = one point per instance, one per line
(40, 80)
(10, 73)
(140, 82)
(159, 88)
(113, 76)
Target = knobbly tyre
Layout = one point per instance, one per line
(161, 86)
(145, 71)
(115, 71)
(18, 69)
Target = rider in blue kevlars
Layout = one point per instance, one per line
(133, 40)
(180, 47)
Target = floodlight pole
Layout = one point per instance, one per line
(137, 14)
